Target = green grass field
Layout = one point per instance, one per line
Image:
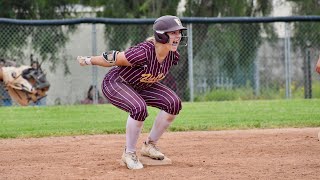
(102, 119)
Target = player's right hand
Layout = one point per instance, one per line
(318, 66)
(84, 61)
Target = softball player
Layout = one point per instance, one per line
(133, 84)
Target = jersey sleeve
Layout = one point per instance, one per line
(136, 55)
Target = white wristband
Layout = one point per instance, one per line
(87, 60)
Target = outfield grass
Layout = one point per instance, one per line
(101, 119)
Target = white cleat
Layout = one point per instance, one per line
(131, 160)
(150, 150)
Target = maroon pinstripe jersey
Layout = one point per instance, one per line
(145, 69)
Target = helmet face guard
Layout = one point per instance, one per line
(184, 39)
(166, 24)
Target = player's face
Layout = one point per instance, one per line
(175, 38)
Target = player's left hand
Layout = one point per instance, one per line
(318, 66)
(25, 84)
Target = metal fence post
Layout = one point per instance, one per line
(256, 77)
(190, 62)
(287, 60)
(94, 68)
(307, 69)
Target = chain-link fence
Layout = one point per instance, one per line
(224, 60)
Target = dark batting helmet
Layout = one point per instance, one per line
(166, 24)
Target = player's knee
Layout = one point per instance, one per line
(140, 113)
(175, 106)
(170, 118)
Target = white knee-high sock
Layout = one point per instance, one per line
(160, 125)
(133, 130)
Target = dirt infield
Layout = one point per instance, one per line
(242, 154)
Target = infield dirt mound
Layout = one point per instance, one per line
(241, 154)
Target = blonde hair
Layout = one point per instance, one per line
(151, 38)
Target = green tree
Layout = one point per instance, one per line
(47, 41)
(118, 36)
(306, 33)
(235, 45)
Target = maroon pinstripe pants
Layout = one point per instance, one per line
(125, 97)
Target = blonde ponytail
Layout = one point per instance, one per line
(151, 38)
